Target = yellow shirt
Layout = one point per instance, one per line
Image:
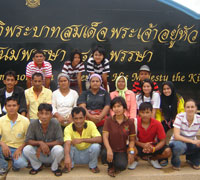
(90, 132)
(13, 136)
(33, 101)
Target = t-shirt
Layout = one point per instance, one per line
(73, 71)
(89, 131)
(94, 101)
(155, 100)
(119, 133)
(138, 84)
(64, 104)
(155, 130)
(92, 66)
(186, 130)
(45, 70)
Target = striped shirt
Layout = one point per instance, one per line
(73, 71)
(92, 66)
(186, 130)
(45, 70)
(138, 84)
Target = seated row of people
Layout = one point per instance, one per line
(41, 140)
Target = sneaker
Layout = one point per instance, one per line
(155, 163)
(133, 165)
(3, 171)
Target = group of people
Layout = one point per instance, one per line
(40, 127)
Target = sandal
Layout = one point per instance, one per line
(35, 171)
(95, 170)
(111, 172)
(57, 172)
(176, 168)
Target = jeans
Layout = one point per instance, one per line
(87, 156)
(56, 155)
(191, 150)
(21, 162)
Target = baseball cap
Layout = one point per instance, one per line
(144, 68)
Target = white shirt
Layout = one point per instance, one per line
(7, 94)
(186, 130)
(155, 100)
(64, 104)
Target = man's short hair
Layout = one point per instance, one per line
(45, 106)
(77, 110)
(39, 52)
(145, 106)
(119, 100)
(37, 74)
(11, 98)
(10, 73)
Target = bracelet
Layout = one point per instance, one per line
(154, 149)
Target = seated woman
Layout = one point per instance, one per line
(171, 105)
(129, 96)
(117, 130)
(63, 100)
(148, 95)
(184, 141)
(96, 102)
(74, 68)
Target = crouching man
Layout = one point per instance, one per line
(13, 128)
(81, 142)
(44, 139)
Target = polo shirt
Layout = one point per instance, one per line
(89, 131)
(54, 132)
(138, 84)
(45, 70)
(33, 101)
(186, 130)
(94, 101)
(92, 66)
(13, 134)
(155, 130)
(73, 71)
(119, 133)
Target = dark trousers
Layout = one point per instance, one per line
(120, 160)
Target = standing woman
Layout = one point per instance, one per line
(74, 68)
(117, 130)
(149, 95)
(128, 95)
(171, 105)
(184, 141)
(96, 102)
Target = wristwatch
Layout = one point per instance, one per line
(131, 152)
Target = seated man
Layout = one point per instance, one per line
(44, 139)
(39, 65)
(148, 130)
(36, 95)
(81, 142)
(13, 128)
(10, 89)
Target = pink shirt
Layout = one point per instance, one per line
(130, 101)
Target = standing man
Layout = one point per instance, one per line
(36, 95)
(10, 89)
(81, 142)
(13, 128)
(39, 65)
(44, 139)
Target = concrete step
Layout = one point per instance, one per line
(144, 171)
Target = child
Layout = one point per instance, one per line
(148, 130)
